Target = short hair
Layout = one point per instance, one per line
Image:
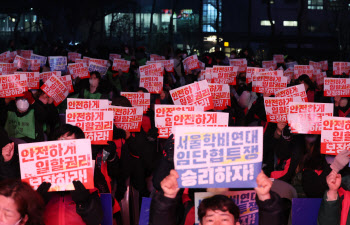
(218, 202)
(79, 134)
(28, 201)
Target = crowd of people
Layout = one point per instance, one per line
(293, 165)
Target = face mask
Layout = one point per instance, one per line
(18, 222)
(126, 51)
(93, 82)
(22, 105)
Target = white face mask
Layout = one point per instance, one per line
(22, 105)
(126, 51)
(18, 222)
(93, 82)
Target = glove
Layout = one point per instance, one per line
(111, 148)
(81, 196)
(169, 148)
(43, 191)
(341, 160)
(29, 96)
(152, 134)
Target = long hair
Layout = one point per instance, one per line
(28, 201)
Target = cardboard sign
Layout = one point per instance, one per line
(34, 65)
(121, 64)
(159, 62)
(113, 56)
(55, 89)
(289, 73)
(13, 85)
(269, 64)
(245, 200)
(278, 58)
(42, 59)
(294, 91)
(316, 65)
(26, 53)
(100, 62)
(197, 93)
(305, 211)
(72, 56)
(21, 63)
(337, 86)
(277, 108)
(192, 62)
(57, 162)
(5, 57)
(155, 57)
(224, 74)
(291, 64)
(220, 157)
(87, 104)
(151, 77)
(320, 77)
(32, 79)
(46, 75)
(78, 70)
(335, 135)
(268, 84)
(306, 117)
(251, 71)
(240, 63)
(96, 67)
(84, 61)
(164, 117)
(324, 65)
(58, 63)
(221, 95)
(97, 125)
(138, 99)
(303, 69)
(7, 68)
(67, 80)
(341, 67)
(127, 118)
(168, 65)
(278, 73)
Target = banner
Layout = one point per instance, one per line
(303, 69)
(335, 135)
(293, 91)
(87, 104)
(191, 62)
(224, 74)
(240, 63)
(7, 68)
(245, 200)
(58, 63)
(127, 118)
(138, 99)
(251, 71)
(337, 86)
(164, 117)
(72, 56)
(57, 162)
(67, 80)
(55, 89)
(221, 95)
(42, 59)
(96, 125)
(114, 56)
(78, 70)
(269, 64)
(306, 117)
(278, 58)
(341, 67)
(268, 84)
(151, 77)
(96, 67)
(13, 85)
(218, 157)
(32, 79)
(121, 64)
(277, 108)
(197, 93)
(46, 75)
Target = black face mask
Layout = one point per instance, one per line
(343, 109)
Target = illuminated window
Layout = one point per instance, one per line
(210, 15)
(290, 23)
(315, 4)
(266, 22)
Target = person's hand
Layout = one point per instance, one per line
(264, 187)
(340, 161)
(43, 190)
(127, 134)
(80, 195)
(50, 101)
(7, 151)
(337, 100)
(333, 181)
(29, 96)
(169, 184)
(152, 134)
(111, 148)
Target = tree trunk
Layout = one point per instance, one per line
(111, 26)
(217, 21)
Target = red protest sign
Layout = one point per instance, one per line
(55, 89)
(221, 95)
(278, 58)
(164, 117)
(253, 71)
(26, 53)
(138, 99)
(73, 56)
(269, 64)
(306, 117)
(316, 65)
(224, 74)
(337, 86)
(100, 62)
(96, 125)
(168, 65)
(155, 57)
(57, 162)
(7, 68)
(289, 73)
(303, 69)
(46, 75)
(151, 77)
(21, 63)
(277, 108)
(294, 91)
(78, 70)
(5, 57)
(324, 65)
(13, 85)
(199, 119)
(320, 77)
(87, 104)
(341, 67)
(67, 80)
(192, 62)
(335, 135)
(127, 118)
(114, 56)
(32, 79)
(197, 93)
(84, 61)
(121, 64)
(268, 84)
(42, 59)
(241, 63)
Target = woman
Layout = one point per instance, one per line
(94, 90)
(20, 204)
